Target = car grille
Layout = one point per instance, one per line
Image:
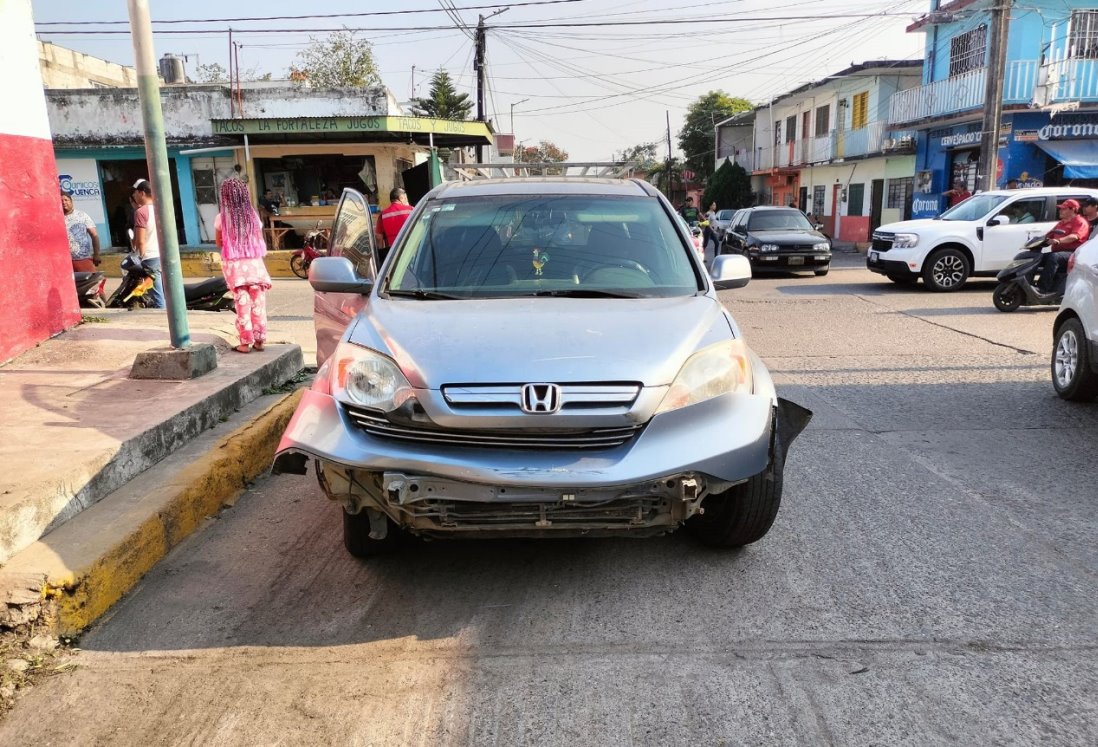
(624, 513)
(509, 396)
(797, 248)
(376, 424)
(882, 242)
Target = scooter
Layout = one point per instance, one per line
(91, 289)
(315, 246)
(1016, 281)
(207, 295)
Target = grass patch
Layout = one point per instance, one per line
(288, 386)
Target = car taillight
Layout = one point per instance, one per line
(1071, 262)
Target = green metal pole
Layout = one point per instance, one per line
(434, 168)
(156, 153)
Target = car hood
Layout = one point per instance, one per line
(787, 236)
(913, 225)
(541, 339)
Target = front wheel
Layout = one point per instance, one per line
(823, 271)
(1072, 374)
(299, 266)
(740, 515)
(946, 270)
(1007, 297)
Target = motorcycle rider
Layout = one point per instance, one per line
(1064, 238)
(1090, 212)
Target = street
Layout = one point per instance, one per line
(930, 578)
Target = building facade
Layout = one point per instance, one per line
(66, 68)
(1049, 129)
(827, 147)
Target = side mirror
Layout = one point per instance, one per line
(999, 220)
(730, 271)
(337, 275)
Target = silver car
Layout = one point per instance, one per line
(536, 357)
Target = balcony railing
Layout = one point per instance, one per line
(962, 93)
(872, 139)
(1067, 80)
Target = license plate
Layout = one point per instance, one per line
(796, 260)
(873, 256)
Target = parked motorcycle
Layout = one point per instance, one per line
(91, 289)
(206, 295)
(1016, 281)
(316, 245)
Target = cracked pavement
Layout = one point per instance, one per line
(930, 579)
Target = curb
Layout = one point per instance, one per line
(70, 596)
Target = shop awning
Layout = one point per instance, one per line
(379, 129)
(1080, 157)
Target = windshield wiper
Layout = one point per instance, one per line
(585, 293)
(423, 295)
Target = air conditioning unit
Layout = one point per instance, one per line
(888, 144)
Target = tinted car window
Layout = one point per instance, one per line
(508, 245)
(777, 220)
(725, 214)
(352, 235)
(1030, 210)
(974, 208)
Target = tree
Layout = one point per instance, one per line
(697, 135)
(657, 174)
(340, 61)
(443, 100)
(729, 187)
(644, 155)
(544, 152)
(212, 73)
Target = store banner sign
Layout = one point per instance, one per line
(340, 125)
(1069, 130)
(925, 205)
(80, 176)
(962, 138)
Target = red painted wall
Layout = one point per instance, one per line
(38, 298)
(854, 228)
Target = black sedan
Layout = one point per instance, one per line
(778, 238)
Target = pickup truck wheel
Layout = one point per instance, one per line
(1072, 375)
(740, 515)
(357, 540)
(946, 270)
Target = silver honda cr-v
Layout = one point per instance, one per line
(536, 357)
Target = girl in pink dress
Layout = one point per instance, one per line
(239, 236)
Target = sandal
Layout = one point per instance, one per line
(258, 347)
(242, 349)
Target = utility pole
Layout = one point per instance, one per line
(993, 94)
(513, 113)
(480, 47)
(156, 153)
(668, 112)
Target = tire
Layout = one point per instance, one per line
(946, 270)
(1007, 297)
(824, 271)
(903, 279)
(357, 540)
(740, 515)
(1072, 375)
(299, 266)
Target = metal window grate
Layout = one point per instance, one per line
(205, 187)
(823, 120)
(967, 51)
(818, 200)
(899, 192)
(1083, 38)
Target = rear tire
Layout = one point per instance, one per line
(1007, 297)
(357, 539)
(1072, 375)
(946, 270)
(742, 514)
(299, 266)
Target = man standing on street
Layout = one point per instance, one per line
(145, 241)
(83, 238)
(690, 213)
(1064, 238)
(392, 219)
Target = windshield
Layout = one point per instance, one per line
(974, 207)
(778, 220)
(725, 215)
(504, 246)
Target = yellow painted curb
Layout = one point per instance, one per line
(204, 264)
(196, 492)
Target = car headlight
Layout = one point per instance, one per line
(365, 377)
(719, 369)
(768, 248)
(905, 240)
(822, 247)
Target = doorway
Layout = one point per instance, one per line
(836, 206)
(118, 178)
(876, 201)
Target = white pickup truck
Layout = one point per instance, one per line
(978, 237)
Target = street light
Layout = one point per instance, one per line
(513, 113)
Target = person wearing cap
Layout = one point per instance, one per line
(392, 219)
(958, 194)
(1090, 213)
(1064, 238)
(145, 240)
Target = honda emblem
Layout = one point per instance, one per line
(540, 398)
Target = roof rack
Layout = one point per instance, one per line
(590, 169)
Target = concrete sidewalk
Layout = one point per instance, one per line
(78, 431)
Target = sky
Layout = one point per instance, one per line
(604, 83)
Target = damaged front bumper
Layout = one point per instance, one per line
(649, 485)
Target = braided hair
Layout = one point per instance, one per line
(239, 219)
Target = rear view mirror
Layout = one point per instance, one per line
(730, 271)
(337, 275)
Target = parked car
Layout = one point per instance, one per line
(1075, 332)
(778, 238)
(536, 357)
(977, 238)
(720, 224)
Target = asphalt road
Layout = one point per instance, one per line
(930, 579)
